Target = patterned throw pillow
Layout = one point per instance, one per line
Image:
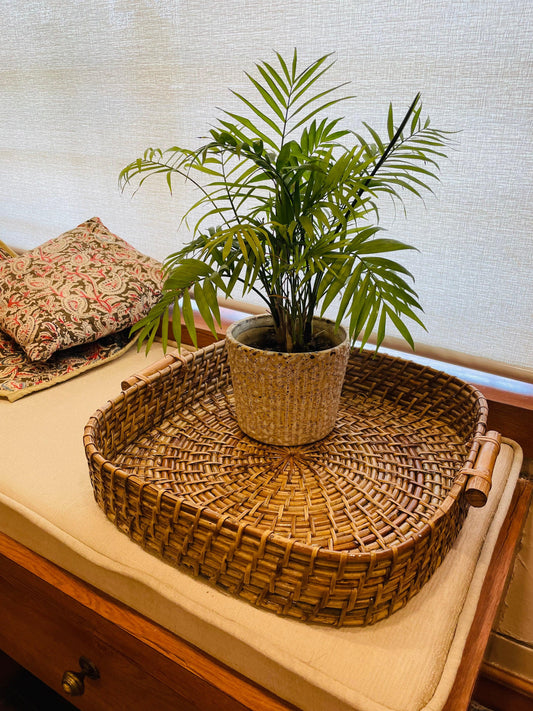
(20, 376)
(75, 289)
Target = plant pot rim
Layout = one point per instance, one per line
(264, 320)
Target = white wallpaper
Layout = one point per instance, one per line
(85, 87)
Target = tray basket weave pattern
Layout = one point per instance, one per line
(342, 532)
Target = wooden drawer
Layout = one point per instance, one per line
(46, 630)
(48, 619)
(48, 638)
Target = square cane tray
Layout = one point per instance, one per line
(341, 532)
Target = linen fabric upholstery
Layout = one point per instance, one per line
(76, 288)
(405, 662)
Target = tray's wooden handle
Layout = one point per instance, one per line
(145, 373)
(480, 475)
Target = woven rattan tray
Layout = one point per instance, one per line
(343, 531)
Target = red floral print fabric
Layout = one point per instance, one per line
(20, 376)
(76, 288)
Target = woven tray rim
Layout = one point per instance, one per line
(296, 546)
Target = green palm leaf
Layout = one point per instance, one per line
(288, 210)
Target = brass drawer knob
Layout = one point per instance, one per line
(73, 682)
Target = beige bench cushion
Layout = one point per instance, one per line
(405, 663)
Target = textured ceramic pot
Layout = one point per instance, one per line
(286, 398)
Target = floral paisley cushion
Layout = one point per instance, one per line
(74, 289)
(20, 376)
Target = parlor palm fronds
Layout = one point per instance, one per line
(295, 199)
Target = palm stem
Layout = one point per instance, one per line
(396, 136)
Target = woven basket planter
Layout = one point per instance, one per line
(343, 531)
(286, 398)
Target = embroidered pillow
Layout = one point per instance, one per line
(74, 289)
(20, 376)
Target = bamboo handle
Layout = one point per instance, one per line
(480, 475)
(145, 373)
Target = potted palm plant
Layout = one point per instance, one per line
(289, 210)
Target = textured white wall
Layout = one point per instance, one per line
(85, 87)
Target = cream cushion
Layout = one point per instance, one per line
(405, 663)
